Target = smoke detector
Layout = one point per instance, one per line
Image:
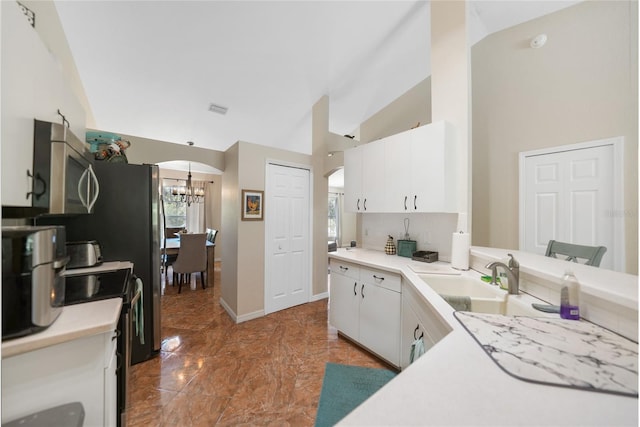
(218, 108)
(538, 41)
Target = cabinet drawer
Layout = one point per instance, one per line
(345, 268)
(381, 278)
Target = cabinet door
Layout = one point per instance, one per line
(111, 384)
(380, 321)
(353, 180)
(397, 165)
(433, 169)
(373, 177)
(19, 50)
(344, 305)
(412, 328)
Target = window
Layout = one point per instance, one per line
(333, 217)
(175, 212)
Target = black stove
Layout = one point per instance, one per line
(97, 286)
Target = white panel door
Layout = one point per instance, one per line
(569, 196)
(287, 216)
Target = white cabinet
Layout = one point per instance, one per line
(353, 179)
(33, 87)
(344, 312)
(82, 370)
(413, 171)
(419, 320)
(364, 178)
(421, 169)
(365, 306)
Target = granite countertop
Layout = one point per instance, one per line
(75, 321)
(457, 383)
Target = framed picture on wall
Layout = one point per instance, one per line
(252, 205)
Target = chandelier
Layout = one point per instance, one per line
(188, 194)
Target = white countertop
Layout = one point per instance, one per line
(75, 321)
(456, 383)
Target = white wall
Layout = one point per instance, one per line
(431, 232)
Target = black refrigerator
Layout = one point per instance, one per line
(126, 224)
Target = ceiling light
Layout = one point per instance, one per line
(217, 108)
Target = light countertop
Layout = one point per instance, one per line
(75, 321)
(457, 383)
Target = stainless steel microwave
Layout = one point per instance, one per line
(66, 182)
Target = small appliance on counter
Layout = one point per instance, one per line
(84, 254)
(33, 283)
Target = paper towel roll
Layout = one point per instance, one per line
(460, 244)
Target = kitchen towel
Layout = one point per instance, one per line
(417, 350)
(460, 244)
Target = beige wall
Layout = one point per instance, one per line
(228, 251)
(450, 85)
(581, 86)
(405, 112)
(243, 242)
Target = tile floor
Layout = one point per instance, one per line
(210, 371)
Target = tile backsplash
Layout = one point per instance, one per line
(431, 231)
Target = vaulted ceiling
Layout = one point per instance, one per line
(153, 68)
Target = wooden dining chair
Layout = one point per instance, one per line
(192, 258)
(572, 252)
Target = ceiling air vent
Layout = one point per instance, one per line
(218, 108)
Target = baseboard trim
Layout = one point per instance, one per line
(229, 311)
(250, 316)
(260, 313)
(319, 297)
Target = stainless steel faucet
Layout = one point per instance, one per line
(513, 273)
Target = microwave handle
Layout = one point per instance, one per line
(82, 189)
(93, 176)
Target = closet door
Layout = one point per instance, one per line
(287, 216)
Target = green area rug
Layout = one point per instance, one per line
(345, 387)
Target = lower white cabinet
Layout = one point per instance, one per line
(419, 320)
(365, 305)
(82, 370)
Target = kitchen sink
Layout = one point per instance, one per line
(485, 298)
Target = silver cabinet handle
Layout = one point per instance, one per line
(414, 202)
(362, 290)
(358, 204)
(354, 288)
(365, 204)
(344, 268)
(378, 278)
(405, 203)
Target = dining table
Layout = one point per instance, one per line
(173, 247)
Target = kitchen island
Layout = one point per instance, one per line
(456, 383)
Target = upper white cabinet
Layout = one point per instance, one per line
(33, 87)
(413, 171)
(364, 171)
